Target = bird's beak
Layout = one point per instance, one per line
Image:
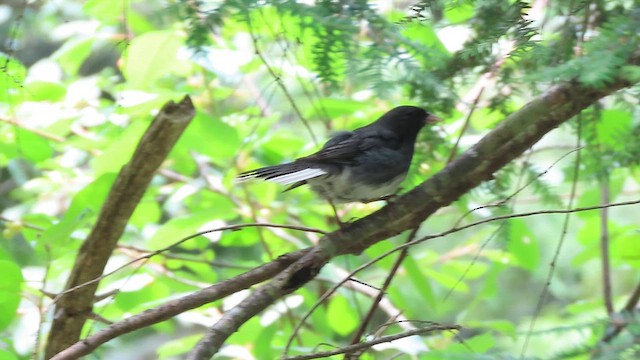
(430, 119)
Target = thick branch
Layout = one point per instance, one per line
(131, 183)
(510, 139)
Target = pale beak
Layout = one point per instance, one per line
(430, 119)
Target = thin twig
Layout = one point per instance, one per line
(369, 344)
(633, 300)
(520, 189)
(177, 306)
(563, 234)
(387, 281)
(157, 252)
(629, 308)
(604, 245)
(40, 133)
(278, 79)
(21, 223)
(467, 120)
(430, 237)
(129, 250)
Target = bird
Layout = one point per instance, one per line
(362, 165)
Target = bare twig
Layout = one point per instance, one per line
(467, 120)
(368, 344)
(521, 188)
(21, 223)
(633, 300)
(604, 245)
(35, 131)
(178, 306)
(278, 79)
(563, 234)
(629, 308)
(387, 281)
(177, 243)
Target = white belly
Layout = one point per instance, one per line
(341, 188)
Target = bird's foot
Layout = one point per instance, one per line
(387, 198)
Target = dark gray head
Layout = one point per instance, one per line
(406, 120)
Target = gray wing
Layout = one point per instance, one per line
(345, 146)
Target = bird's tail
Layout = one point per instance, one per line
(285, 174)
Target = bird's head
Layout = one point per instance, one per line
(407, 120)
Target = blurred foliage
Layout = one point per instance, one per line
(81, 81)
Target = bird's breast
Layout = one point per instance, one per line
(349, 187)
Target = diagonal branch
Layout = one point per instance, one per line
(507, 141)
(174, 307)
(268, 271)
(132, 181)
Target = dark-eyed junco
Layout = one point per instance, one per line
(360, 165)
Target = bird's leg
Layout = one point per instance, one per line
(335, 213)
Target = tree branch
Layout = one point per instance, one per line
(387, 281)
(178, 306)
(132, 181)
(508, 140)
(356, 348)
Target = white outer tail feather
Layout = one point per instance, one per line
(300, 175)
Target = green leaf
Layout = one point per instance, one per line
(503, 326)
(149, 295)
(147, 212)
(178, 228)
(264, 342)
(73, 53)
(614, 125)
(279, 145)
(33, 147)
(211, 137)
(479, 344)
(218, 205)
(523, 244)
(447, 281)
(459, 13)
(10, 285)
(120, 149)
(242, 238)
(105, 10)
(484, 118)
(491, 280)
(423, 33)
(332, 108)
(85, 204)
(90, 199)
(631, 73)
(173, 348)
(624, 244)
(342, 317)
(6, 355)
(419, 280)
(194, 271)
(55, 240)
(150, 57)
(45, 91)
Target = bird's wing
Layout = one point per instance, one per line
(345, 146)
